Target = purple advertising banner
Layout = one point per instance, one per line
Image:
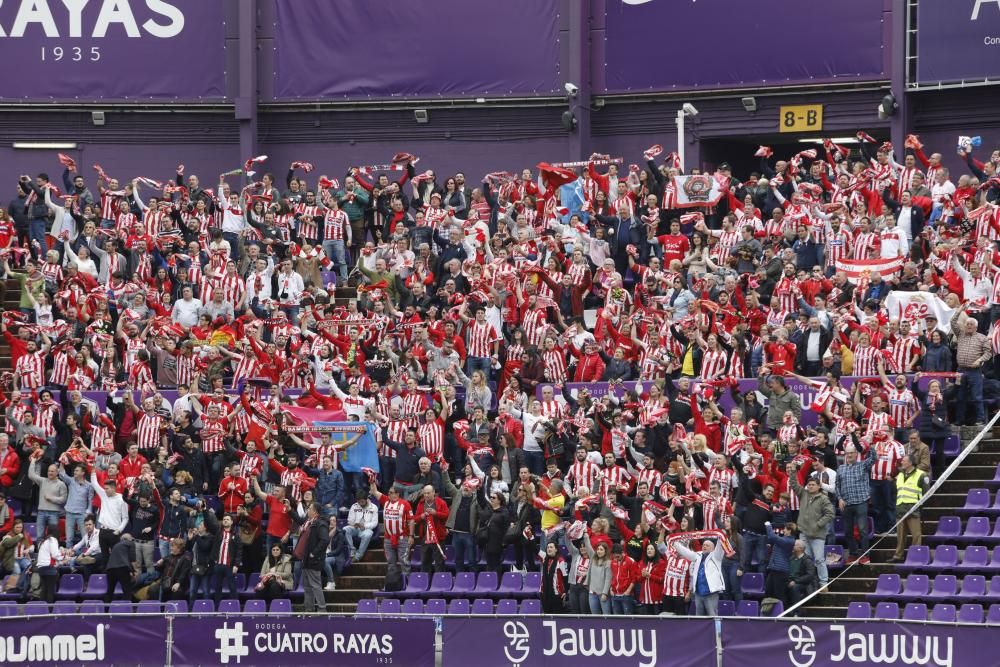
(821, 644)
(665, 44)
(112, 50)
(358, 48)
(957, 40)
(92, 640)
(555, 641)
(303, 641)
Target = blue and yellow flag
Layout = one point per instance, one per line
(363, 453)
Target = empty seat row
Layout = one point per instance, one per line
(469, 584)
(917, 611)
(36, 608)
(975, 558)
(977, 529)
(974, 588)
(439, 606)
(978, 501)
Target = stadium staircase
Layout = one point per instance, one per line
(856, 583)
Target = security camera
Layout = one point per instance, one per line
(689, 109)
(571, 89)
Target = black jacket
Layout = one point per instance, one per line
(235, 546)
(801, 351)
(318, 540)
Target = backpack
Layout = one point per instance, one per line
(393, 579)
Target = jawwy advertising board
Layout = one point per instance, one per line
(303, 641)
(112, 50)
(859, 644)
(957, 40)
(579, 642)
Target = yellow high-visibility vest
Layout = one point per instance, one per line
(908, 489)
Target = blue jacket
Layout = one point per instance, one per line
(330, 488)
(781, 552)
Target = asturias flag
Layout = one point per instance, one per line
(363, 453)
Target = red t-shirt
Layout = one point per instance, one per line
(279, 522)
(674, 247)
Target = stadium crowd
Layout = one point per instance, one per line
(477, 308)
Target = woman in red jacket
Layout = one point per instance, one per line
(650, 581)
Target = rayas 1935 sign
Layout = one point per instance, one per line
(112, 49)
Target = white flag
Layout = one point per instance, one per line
(915, 306)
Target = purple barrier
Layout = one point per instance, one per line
(636, 35)
(578, 642)
(361, 49)
(957, 41)
(814, 643)
(105, 640)
(303, 641)
(113, 50)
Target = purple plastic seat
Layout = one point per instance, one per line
(436, 607)
(534, 607)
(481, 606)
(970, 613)
(857, 610)
(92, 607)
(974, 558)
(994, 565)
(993, 482)
(973, 588)
(727, 608)
(887, 586)
(977, 529)
(486, 584)
(512, 585)
(945, 558)
(915, 587)
(465, 585)
(229, 607)
(255, 606)
(390, 606)
(915, 611)
(203, 607)
(918, 557)
(834, 549)
(506, 607)
(148, 607)
(97, 587)
(459, 606)
(367, 608)
(413, 607)
(250, 591)
(282, 607)
(70, 587)
(35, 608)
(993, 593)
(120, 607)
(945, 587)
(752, 584)
(949, 528)
(441, 585)
(176, 607)
(944, 613)
(416, 585)
(976, 500)
(8, 609)
(533, 582)
(64, 607)
(749, 608)
(887, 611)
(995, 535)
(993, 615)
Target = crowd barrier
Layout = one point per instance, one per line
(637, 641)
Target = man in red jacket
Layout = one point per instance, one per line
(10, 462)
(232, 489)
(590, 366)
(429, 519)
(624, 574)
